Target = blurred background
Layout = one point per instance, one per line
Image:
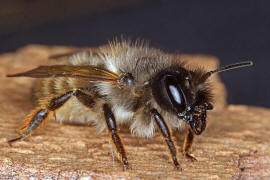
(231, 30)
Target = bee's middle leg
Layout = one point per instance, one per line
(43, 113)
(116, 141)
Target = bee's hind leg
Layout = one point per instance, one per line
(116, 141)
(40, 115)
(187, 145)
(33, 121)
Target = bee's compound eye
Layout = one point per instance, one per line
(175, 93)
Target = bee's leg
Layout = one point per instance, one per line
(84, 98)
(166, 132)
(33, 121)
(116, 141)
(187, 145)
(40, 115)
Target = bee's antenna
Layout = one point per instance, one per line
(228, 67)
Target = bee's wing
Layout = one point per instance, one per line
(91, 73)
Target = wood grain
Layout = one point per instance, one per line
(235, 144)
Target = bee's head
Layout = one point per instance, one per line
(186, 93)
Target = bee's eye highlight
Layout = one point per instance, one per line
(175, 94)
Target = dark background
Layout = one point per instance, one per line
(232, 30)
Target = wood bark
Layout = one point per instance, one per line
(235, 144)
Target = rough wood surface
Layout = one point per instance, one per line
(235, 144)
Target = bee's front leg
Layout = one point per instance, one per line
(187, 145)
(116, 141)
(166, 132)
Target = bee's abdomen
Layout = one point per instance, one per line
(51, 87)
(81, 108)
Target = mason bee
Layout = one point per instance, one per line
(124, 83)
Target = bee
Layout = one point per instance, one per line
(124, 83)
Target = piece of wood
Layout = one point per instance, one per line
(235, 144)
